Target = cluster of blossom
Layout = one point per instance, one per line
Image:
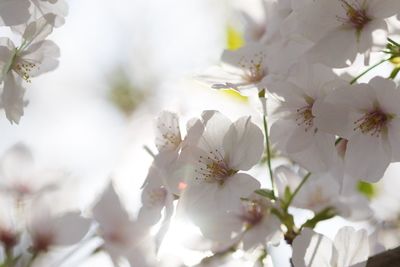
(331, 132)
(336, 133)
(31, 22)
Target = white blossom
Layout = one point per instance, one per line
(34, 56)
(367, 116)
(322, 191)
(343, 28)
(252, 223)
(123, 237)
(22, 179)
(295, 131)
(215, 183)
(50, 230)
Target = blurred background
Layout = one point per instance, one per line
(122, 62)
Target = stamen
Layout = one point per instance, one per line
(305, 117)
(254, 69)
(372, 123)
(24, 69)
(253, 213)
(213, 168)
(171, 137)
(356, 13)
(157, 196)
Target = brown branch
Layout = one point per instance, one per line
(389, 258)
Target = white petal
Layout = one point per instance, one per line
(243, 144)
(108, 211)
(14, 12)
(351, 247)
(16, 163)
(338, 46)
(6, 55)
(38, 30)
(317, 18)
(311, 250)
(58, 7)
(367, 157)
(12, 99)
(383, 8)
(266, 232)
(168, 135)
(217, 125)
(70, 228)
(394, 138)
(318, 156)
(365, 40)
(299, 140)
(44, 54)
(332, 117)
(241, 185)
(279, 133)
(387, 94)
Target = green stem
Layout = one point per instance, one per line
(148, 150)
(9, 259)
(269, 154)
(32, 260)
(367, 70)
(305, 178)
(262, 256)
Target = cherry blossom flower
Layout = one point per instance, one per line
(322, 191)
(241, 69)
(343, 28)
(157, 195)
(295, 131)
(254, 65)
(168, 133)
(10, 226)
(33, 57)
(122, 236)
(48, 230)
(315, 250)
(56, 7)
(367, 116)
(22, 179)
(214, 182)
(252, 223)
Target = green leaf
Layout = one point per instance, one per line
(323, 215)
(265, 193)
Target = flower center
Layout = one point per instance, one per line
(304, 117)
(213, 168)
(356, 14)
(42, 241)
(8, 238)
(253, 213)
(24, 69)
(254, 69)
(157, 196)
(372, 123)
